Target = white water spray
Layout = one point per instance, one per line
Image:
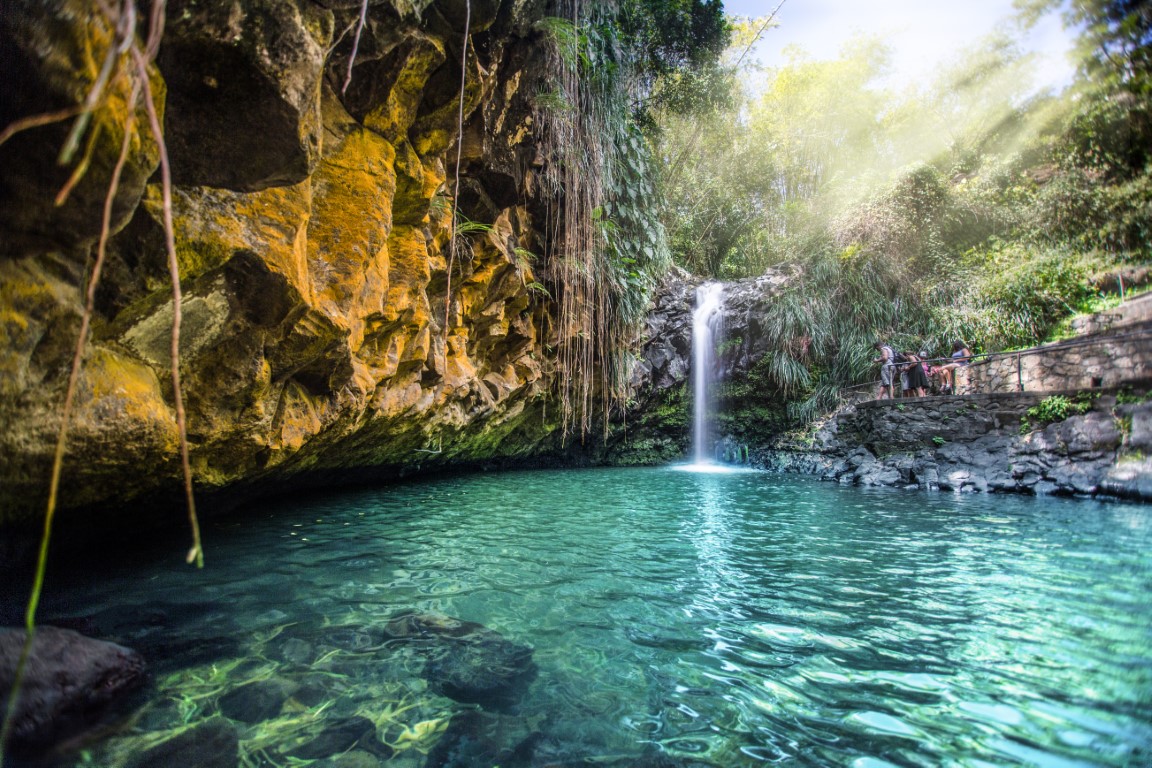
(706, 327)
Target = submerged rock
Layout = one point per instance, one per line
(479, 738)
(340, 736)
(210, 744)
(466, 661)
(474, 739)
(353, 759)
(297, 651)
(487, 670)
(71, 683)
(257, 701)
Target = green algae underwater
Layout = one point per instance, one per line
(635, 617)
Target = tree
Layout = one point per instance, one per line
(676, 45)
(1116, 41)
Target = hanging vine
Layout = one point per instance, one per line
(603, 251)
(125, 48)
(453, 240)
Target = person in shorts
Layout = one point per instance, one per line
(887, 362)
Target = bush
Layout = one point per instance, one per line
(1056, 408)
(1021, 294)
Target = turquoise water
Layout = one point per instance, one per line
(715, 619)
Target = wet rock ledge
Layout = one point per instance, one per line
(982, 443)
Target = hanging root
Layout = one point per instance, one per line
(125, 23)
(355, 46)
(196, 553)
(452, 240)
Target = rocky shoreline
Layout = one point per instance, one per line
(981, 443)
(1093, 437)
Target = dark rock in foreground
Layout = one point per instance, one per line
(71, 683)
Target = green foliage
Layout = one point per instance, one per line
(570, 42)
(972, 209)
(465, 226)
(1116, 41)
(1124, 427)
(677, 44)
(1052, 408)
(937, 440)
(1018, 294)
(1057, 408)
(1099, 302)
(609, 64)
(1128, 397)
(728, 345)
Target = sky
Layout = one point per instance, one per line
(923, 33)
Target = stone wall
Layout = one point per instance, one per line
(1114, 350)
(982, 443)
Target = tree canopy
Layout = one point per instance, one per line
(975, 207)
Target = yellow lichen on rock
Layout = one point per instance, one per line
(321, 328)
(435, 131)
(416, 59)
(351, 219)
(30, 301)
(296, 420)
(117, 387)
(212, 225)
(409, 274)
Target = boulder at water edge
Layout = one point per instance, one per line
(71, 682)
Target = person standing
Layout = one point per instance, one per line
(917, 381)
(887, 362)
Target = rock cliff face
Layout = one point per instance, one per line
(656, 427)
(326, 324)
(982, 443)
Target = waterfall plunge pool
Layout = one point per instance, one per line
(677, 619)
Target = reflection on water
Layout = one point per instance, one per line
(713, 619)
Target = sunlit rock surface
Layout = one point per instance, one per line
(321, 330)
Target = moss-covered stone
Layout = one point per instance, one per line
(321, 331)
(53, 52)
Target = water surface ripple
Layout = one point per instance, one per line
(723, 620)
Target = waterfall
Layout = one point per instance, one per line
(706, 326)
